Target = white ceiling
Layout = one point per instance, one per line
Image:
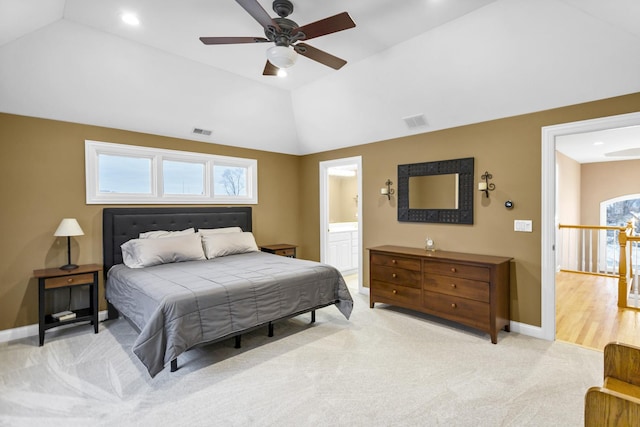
(601, 146)
(455, 61)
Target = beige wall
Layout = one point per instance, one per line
(342, 198)
(604, 181)
(42, 181)
(568, 185)
(509, 148)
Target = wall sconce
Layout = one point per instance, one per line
(486, 186)
(388, 191)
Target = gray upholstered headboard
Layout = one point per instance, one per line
(122, 224)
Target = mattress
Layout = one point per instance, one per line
(177, 306)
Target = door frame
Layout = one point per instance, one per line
(324, 208)
(548, 215)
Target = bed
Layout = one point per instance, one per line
(177, 304)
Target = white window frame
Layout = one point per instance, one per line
(93, 149)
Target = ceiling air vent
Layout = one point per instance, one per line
(198, 131)
(415, 121)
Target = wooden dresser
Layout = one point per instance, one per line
(466, 288)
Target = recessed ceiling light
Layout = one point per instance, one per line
(130, 19)
(598, 143)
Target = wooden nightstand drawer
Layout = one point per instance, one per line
(291, 252)
(282, 249)
(78, 279)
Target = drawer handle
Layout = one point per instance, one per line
(453, 285)
(453, 305)
(395, 292)
(70, 280)
(393, 261)
(394, 275)
(453, 269)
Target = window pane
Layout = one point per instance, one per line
(120, 174)
(618, 214)
(229, 181)
(183, 177)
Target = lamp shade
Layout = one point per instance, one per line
(282, 56)
(69, 227)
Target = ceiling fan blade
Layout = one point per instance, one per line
(258, 13)
(332, 24)
(319, 56)
(270, 69)
(232, 40)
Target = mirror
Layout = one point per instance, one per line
(440, 192)
(433, 191)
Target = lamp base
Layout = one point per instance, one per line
(69, 267)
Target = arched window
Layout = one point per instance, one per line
(618, 212)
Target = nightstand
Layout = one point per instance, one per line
(55, 278)
(283, 249)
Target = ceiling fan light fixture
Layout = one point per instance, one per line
(130, 18)
(282, 73)
(282, 56)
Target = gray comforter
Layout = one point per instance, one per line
(176, 306)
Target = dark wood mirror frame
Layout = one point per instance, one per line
(462, 215)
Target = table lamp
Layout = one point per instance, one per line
(69, 227)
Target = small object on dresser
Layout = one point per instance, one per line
(430, 245)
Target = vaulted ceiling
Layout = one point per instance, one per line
(454, 62)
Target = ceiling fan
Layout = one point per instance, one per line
(288, 36)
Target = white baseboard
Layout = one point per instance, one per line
(32, 330)
(529, 330)
(364, 291)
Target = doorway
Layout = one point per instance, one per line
(341, 217)
(548, 214)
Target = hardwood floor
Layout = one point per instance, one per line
(587, 313)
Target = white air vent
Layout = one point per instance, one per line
(199, 131)
(415, 121)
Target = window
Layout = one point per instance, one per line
(618, 212)
(117, 173)
(183, 177)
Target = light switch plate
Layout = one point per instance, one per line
(525, 225)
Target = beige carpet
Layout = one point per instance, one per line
(383, 367)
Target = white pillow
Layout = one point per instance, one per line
(217, 245)
(160, 234)
(210, 231)
(138, 253)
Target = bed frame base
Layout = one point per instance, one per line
(238, 337)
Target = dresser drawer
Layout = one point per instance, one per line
(456, 286)
(78, 279)
(395, 261)
(458, 270)
(396, 276)
(463, 310)
(290, 252)
(400, 294)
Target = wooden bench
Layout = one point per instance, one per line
(617, 402)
